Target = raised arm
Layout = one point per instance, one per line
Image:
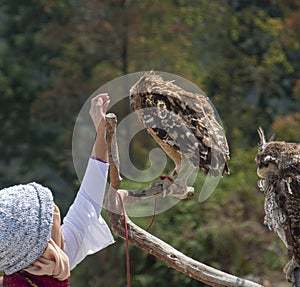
(84, 229)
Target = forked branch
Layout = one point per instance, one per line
(149, 243)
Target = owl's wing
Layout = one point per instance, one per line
(170, 130)
(200, 105)
(292, 183)
(200, 135)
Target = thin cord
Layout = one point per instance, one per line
(126, 241)
(126, 235)
(153, 216)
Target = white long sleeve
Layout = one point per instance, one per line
(84, 229)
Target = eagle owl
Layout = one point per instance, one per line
(279, 169)
(183, 124)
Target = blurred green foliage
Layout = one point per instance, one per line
(244, 54)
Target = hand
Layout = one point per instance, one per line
(99, 105)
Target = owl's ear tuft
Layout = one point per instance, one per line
(261, 136)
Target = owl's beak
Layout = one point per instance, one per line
(264, 171)
(131, 103)
(260, 172)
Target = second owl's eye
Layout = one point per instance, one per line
(263, 164)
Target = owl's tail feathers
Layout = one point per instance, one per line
(296, 277)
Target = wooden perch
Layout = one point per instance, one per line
(149, 243)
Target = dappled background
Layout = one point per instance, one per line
(245, 55)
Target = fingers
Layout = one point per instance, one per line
(100, 101)
(99, 106)
(105, 105)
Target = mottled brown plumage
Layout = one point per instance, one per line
(279, 168)
(182, 123)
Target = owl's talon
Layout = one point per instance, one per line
(168, 181)
(165, 182)
(177, 188)
(157, 182)
(180, 190)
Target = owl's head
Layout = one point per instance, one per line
(140, 89)
(268, 156)
(276, 156)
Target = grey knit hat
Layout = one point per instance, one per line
(26, 218)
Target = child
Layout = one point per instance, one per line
(35, 250)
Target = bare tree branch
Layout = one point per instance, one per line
(149, 243)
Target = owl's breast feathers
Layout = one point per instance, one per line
(182, 123)
(292, 186)
(282, 191)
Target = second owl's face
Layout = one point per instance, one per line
(266, 163)
(267, 169)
